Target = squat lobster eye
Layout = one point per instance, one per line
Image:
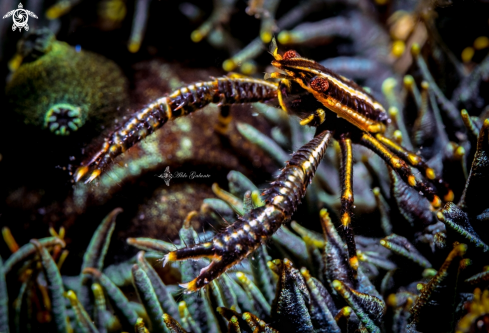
(290, 54)
(319, 84)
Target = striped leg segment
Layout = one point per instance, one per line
(346, 175)
(239, 240)
(401, 167)
(224, 119)
(417, 162)
(223, 91)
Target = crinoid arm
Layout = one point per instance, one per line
(222, 91)
(239, 240)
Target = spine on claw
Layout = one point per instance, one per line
(239, 240)
(180, 103)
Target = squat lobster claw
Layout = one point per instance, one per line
(318, 93)
(222, 91)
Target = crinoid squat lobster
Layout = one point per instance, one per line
(336, 106)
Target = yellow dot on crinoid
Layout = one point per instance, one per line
(266, 36)
(408, 80)
(305, 273)
(71, 296)
(376, 191)
(415, 49)
(346, 312)
(248, 68)
(196, 36)
(459, 153)
(393, 112)
(461, 249)
(397, 135)
(429, 272)
(229, 65)
(481, 43)
(467, 54)
(337, 285)
(388, 85)
(241, 277)
(113, 10)
(182, 306)
(323, 213)
(284, 37)
(133, 46)
(398, 48)
(392, 300)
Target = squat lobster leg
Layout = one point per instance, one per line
(417, 162)
(346, 175)
(401, 168)
(239, 240)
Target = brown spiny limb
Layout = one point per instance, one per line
(237, 241)
(400, 167)
(222, 91)
(346, 175)
(417, 162)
